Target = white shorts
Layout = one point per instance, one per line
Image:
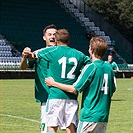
(62, 112)
(43, 112)
(43, 118)
(91, 127)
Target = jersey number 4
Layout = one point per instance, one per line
(105, 84)
(70, 74)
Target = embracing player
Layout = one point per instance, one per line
(41, 90)
(65, 64)
(97, 82)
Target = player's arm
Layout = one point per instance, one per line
(116, 69)
(23, 64)
(26, 54)
(87, 60)
(68, 88)
(44, 53)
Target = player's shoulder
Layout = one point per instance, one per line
(47, 49)
(78, 52)
(90, 66)
(39, 50)
(114, 63)
(106, 63)
(108, 66)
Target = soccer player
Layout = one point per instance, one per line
(97, 82)
(41, 90)
(65, 64)
(112, 64)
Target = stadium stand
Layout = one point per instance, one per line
(22, 23)
(8, 60)
(120, 43)
(91, 27)
(29, 18)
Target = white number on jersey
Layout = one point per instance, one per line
(105, 84)
(70, 74)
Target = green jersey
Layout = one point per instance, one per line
(41, 90)
(97, 82)
(65, 64)
(113, 65)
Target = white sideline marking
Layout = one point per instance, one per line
(130, 89)
(17, 117)
(14, 125)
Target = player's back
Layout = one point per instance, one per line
(103, 73)
(65, 67)
(101, 87)
(65, 64)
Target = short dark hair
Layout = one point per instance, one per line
(110, 55)
(63, 36)
(52, 26)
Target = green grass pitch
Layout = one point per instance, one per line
(19, 113)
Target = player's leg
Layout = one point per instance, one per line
(91, 127)
(43, 118)
(51, 129)
(71, 116)
(101, 127)
(54, 114)
(86, 127)
(71, 128)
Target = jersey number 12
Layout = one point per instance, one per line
(70, 74)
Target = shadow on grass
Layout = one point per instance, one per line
(118, 100)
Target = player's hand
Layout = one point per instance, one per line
(30, 56)
(49, 81)
(26, 52)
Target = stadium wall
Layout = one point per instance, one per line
(26, 74)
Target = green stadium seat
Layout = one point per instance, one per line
(23, 21)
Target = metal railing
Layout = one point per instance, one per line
(16, 67)
(124, 45)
